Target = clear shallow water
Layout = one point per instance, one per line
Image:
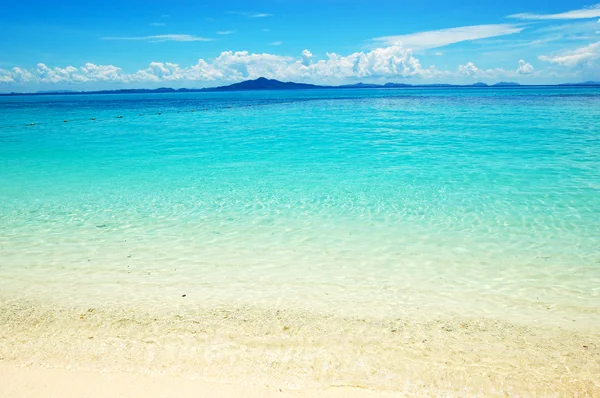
(378, 202)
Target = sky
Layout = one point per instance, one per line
(90, 45)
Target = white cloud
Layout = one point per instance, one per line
(228, 66)
(524, 68)
(470, 70)
(444, 37)
(44, 74)
(252, 14)
(276, 43)
(584, 13)
(226, 32)
(162, 38)
(260, 15)
(156, 72)
(20, 75)
(306, 57)
(6, 76)
(158, 24)
(580, 56)
(306, 53)
(387, 63)
(101, 72)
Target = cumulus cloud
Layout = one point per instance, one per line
(228, 66)
(584, 13)
(524, 68)
(6, 76)
(20, 75)
(70, 74)
(392, 62)
(580, 56)
(470, 70)
(162, 38)
(87, 73)
(444, 37)
(306, 57)
(388, 62)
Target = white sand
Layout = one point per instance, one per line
(16, 382)
(53, 351)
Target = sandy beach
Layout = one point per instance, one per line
(52, 351)
(59, 383)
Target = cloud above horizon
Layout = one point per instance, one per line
(560, 49)
(260, 15)
(577, 57)
(162, 38)
(469, 69)
(524, 68)
(443, 37)
(393, 62)
(251, 14)
(584, 13)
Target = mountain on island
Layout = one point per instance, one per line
(439, 85)
(396, 85)
(55, 92)
(588, 83)
(264, 84)
(270, 84)
(506, 84)
(361, 85)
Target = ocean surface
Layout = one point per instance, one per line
(483, 201)
(386, 204)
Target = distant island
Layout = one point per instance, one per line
(506, 84)
(271, 84)
(589, 83)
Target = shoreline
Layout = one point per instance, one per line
(297, 351)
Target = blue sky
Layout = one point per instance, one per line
(118, 44)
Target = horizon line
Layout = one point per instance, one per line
(314, 87)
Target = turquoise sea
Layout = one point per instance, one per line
(384, 203)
